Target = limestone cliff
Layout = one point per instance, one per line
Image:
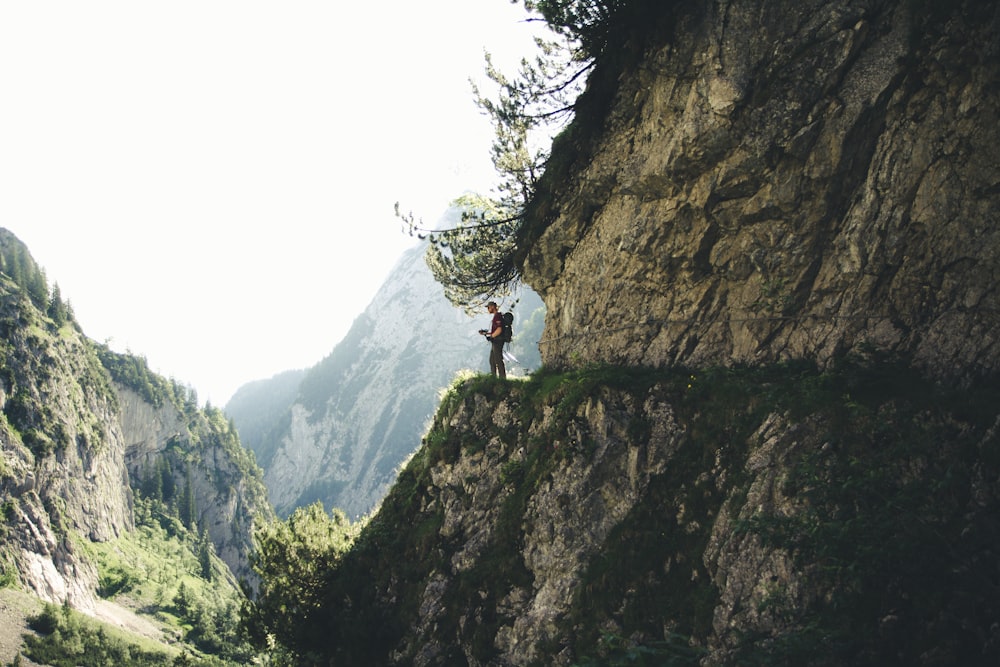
(782, 180)
(202, 451)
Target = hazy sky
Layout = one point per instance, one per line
(211, 182)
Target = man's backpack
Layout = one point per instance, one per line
(508, 327)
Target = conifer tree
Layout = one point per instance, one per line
(57, 309)
(476, 260)
(186, 508)
(295, 560)
(205, 555)
(167, 483)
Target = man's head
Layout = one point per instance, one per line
(491, 307)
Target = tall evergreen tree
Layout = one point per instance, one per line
(168, 485)
(57, 309)
(186, 507)
(205, 555)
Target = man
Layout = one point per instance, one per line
(495, 336)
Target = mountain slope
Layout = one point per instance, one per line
(63, 464)
(99, 453)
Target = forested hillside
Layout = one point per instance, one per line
(128, 509)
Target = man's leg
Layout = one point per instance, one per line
(498, 356)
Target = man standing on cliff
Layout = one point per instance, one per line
(495, 337)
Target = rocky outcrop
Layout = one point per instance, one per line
(759, 516)
(717, 479)
(789, 180)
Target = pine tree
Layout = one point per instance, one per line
(57, 309)
(205, 555)
(186, 509)
(476, 260)
(168, 485)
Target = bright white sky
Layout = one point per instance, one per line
(211, 182)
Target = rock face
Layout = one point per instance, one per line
(227, 499)
(794, 180)
(63, 466)
(354, 416)
(768, 182)
(753, 516)
(76, 443)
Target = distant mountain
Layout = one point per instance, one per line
(259, 408)
(359, 413)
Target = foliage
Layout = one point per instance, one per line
(295, 559)
(479, 259)
(595, 24)
(69, 639)
(133, 372)
(38, 363)
(475, 260)
(170, 476)
(17, 263)
(173, 575)
(60, 311)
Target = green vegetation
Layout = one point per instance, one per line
(133, 372)
(476, 259)
(16, 262)
(174, 577)
(294, 560)
(480, 258)
(596, 24)
(206, 429)
(67, 638)
(205, 617)
(55, 381)
(39, 361)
